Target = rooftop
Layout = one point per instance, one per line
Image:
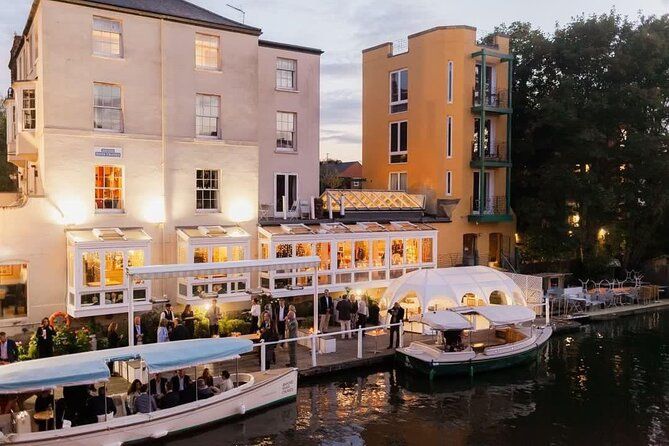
(215, 231)
(344, 228)
(372, 200)
(108, 235)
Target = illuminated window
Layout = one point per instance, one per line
(107, 108)
(219, 254)
(303, 250)
(136, 258)
(411, 248)
(323, 251)
(29, 113)
(361, 254)
(379, 252)
(237, 253)
(399, 91)
(206, 190)
(206, 52)
(206, 115)
(343, 255)
(397, 252)
(285, 131)
(91, 268)
(13, 290)
(107, 37)
(427, 250)
(200, 255)
(113, 268)
(286, 70)
(108, 188)
(284, 250)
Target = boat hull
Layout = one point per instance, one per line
(280, 387)
(479, 364)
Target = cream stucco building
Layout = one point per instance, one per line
(146, 132)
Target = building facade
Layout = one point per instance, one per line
(436, 121)
(145, 133)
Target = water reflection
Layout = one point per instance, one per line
(604, 385)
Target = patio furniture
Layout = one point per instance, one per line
(264, 211)
(292, 212)
(305, 210)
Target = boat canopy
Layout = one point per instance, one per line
(505, 314)
(446, 320)
(91, 367)
(443, 288)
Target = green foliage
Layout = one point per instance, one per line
(228, 326)
(68, 340)
(29, 350)
(6, 168)
(329, 175)
(590, 137)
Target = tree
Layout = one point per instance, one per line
(6, 168)
(329, 175)
(591, 112)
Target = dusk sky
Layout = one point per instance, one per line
(343, 28)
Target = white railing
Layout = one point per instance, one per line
(262, 345)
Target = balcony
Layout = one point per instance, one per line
(495, 154)
(493, 102)
(489, 210)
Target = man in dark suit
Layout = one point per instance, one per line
(44, 335)
(280, 313)
(138, 330)
(180, 381)
(157, 386)
(8, 350)
(99, 404)
(325, 311)
(180, 331)
(171, 399)
(396, 315)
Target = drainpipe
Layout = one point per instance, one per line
(163, 148)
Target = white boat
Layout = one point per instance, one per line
(499, 342)
(253, 391)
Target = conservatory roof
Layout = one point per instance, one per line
(372, 200)
(108, 235)
(214, 231)
(343, 228)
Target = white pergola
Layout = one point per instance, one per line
(194, 269)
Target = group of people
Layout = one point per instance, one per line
(351, 313)
(163, 393)
(276, 322)
(170, 327)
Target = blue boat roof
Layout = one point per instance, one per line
(91, 367)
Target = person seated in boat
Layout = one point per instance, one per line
(9, 404)
(75, 403)
(180, 381)
(452, 341)
(207, 377)
(157, 387)
(99, 405)
(227, 383)
(171, 398)
(145, 403)
(203, 390)
(133, 392)
(44, 402)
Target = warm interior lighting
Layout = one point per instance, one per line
(601, 234)
(517, 237)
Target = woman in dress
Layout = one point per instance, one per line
(206, 376)
(44, 335)
(163, 335)
(133, 392)
(113, 337)
(189, 322)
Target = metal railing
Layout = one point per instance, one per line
(492, 151)
(313, 339)
(495, 99)
(489, 206)
(459, 259)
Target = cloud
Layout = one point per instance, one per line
(341, 107)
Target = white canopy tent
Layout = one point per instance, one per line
(242, 266)
(446, 320)
(451, 287)
(506, 314)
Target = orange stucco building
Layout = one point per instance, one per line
(425, 104)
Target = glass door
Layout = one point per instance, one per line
(285, 189)
(481, 202)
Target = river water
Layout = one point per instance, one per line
(607, 384)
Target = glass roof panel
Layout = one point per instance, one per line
(296, 229)
(365, 200)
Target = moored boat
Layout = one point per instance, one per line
(252, 391)
(475, 339)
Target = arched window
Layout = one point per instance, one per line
(470, 300)
(497, 298)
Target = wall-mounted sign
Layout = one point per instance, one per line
(108, 152)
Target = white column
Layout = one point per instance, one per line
(359, 342)
(312, 209)
(131, 316)
(263, 365)
(284, 200)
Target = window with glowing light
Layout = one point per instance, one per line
(207, 52)
(13, 290)
(136, 258)
(427, 250)
(91, 268)
(108, 188)
(361, 253)
(343, 255)
(411, 248)
(200, 255)
(379, 253)
(113, 268)
(397, 252)
(323, 250)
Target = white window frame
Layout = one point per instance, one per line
(204, 65)
(199, 116)
(119, 33)
(449, 137)
(391, 153)
(217, 190)
(32, 111)
(293, 71)
(449, 83)
(103, 210)
(399, 100)
(287, 176)
(102, 107)
(396, 177)
(293, 132)
(449, 183)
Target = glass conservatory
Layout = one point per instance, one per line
(204, 244)
(360, 255)
(96, 262)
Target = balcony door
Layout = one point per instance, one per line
(481, 203)
(285, 194)
(489, 80)
(488, 147)
(469, 250)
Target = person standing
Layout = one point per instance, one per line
(138, 330)
(44, 335)
(344, 310)
(268, 334)
(325, 310)
(188, 319)
(363, 314)
(8, 350)
(213, 314)
(255, 315)
(162, 334)
(180, 332)
(354, 310)
(291, 326)
(113, 338)
(168, 315)
(280, 317)
(396, 315)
